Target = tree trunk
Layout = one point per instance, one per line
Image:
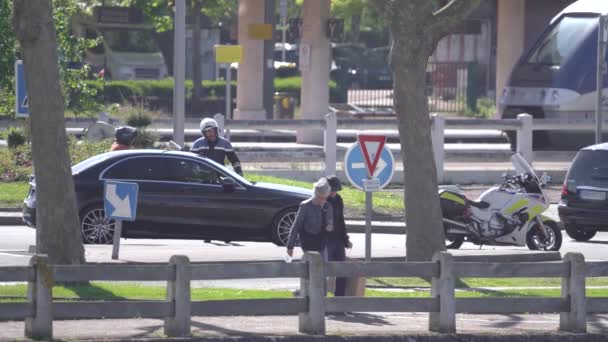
(197, 91)
(58, 227)
(423, 215)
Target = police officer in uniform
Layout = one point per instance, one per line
(214, 147)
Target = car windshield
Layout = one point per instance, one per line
(590, 168)
(130, 40)
(85, 164)
(559, 43)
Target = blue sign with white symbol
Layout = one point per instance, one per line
(22, 107)
(120, 200)
(356, 170)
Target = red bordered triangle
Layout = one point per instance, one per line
(371, 146)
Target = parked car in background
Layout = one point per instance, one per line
(584, 205)
(181, 196)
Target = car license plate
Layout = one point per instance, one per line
(593, 195)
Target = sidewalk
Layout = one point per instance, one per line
(385, 327)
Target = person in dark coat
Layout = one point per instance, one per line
(337, 240)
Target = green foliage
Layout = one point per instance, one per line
(7, 59)
(15, 137)
(16, 163)
(145, 138)
(139, 119)
(122, 91)
(486, 109)
(78, 95)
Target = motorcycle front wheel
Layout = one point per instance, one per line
(537, 241)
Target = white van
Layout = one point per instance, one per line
(128, 50)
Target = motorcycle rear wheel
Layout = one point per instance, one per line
(453, 241)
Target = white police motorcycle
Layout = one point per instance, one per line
(507, 215)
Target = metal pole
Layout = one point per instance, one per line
(179, 72)
(228, 92)
(116, 239)
(368, 226)
(601, 69)
(284, 38)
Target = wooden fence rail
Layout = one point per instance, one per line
(40, 310)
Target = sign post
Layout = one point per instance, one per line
(120, 204)
(283, 15)
(601, 70)
(22, 108)
(226, 55)
(369, 166)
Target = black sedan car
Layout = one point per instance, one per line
(181, 196)
(584, 205)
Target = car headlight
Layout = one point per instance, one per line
(352, 71)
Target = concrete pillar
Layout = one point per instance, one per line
(178, 293)
(312, 288)
(524, 137)
(510, 39)
(250, 92)
(442, 287)
(315, 67)
(573, 290)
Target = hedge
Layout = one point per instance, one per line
(122, 91)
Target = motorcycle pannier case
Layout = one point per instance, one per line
(452, 204)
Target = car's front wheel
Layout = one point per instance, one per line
(281, 227)
(579, 234)
(95, 227)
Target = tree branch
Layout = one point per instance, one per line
(451, 15)
(383, 7)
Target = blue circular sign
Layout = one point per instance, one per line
(356, 171)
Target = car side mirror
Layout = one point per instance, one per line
(228, 184)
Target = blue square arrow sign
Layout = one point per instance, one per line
(22, 108)
(120, 200)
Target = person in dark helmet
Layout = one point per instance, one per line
(123, 138)
(337, 240)
(214, 147)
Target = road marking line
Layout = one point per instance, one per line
(15, 254)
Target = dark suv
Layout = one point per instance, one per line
(584, 205)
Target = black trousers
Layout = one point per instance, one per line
(337, 252)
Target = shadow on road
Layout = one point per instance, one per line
(360, 318)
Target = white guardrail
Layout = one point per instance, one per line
(524, 125)
(41, 310)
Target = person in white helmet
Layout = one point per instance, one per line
(214, 147)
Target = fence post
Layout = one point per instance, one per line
(330, 145)
(313, 289)
(39, 294)
(573, 290)
(442, 288)
(438, 139)
(524, 137)
(221, 122)
(178, 293)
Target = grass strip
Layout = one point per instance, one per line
(13, 194)
(100, 291)
(481, 282)
(384, 202)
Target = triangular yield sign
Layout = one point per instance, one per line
(371, 146)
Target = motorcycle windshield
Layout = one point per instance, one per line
(521, 165)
